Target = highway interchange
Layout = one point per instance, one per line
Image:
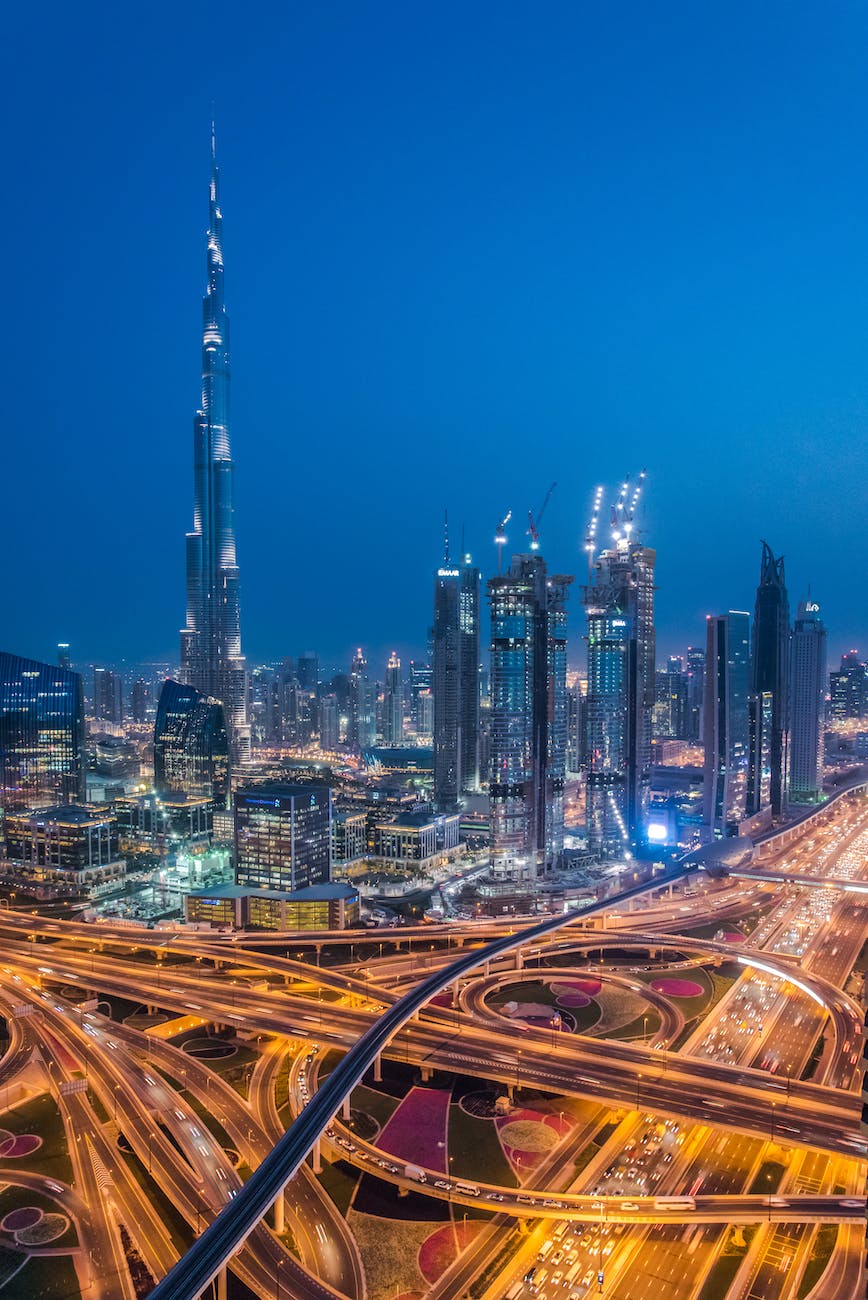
(733, 1088)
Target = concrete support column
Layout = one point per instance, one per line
(280, 1212)
(519, 959)
(486, 970)
(317, 1157)
(378, 1068)
(221, 1284)
(345, 1109)
(426, 1073)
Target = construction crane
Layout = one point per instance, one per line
(500, 538)
(533, 524)
(591, 534)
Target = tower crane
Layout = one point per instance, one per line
(533, 524)
(500, 538)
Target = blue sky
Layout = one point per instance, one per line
(471, 249)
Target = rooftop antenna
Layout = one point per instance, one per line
(591, 534)
(500, 538)
(533, 524)
(446, 538)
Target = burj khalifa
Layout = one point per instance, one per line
(211, 658)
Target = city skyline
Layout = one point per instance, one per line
(599, 338)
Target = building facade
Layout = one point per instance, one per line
(211, 657)
(807, 689)
(41, 733)
(67, 845)
(770, 675)
(455, 681)
(191, 745)
(283, 836)
(725, 714)
(528, 719)
(393, 703)
(619, 603)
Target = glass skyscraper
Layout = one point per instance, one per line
(770, 675)
(725, 714)
(528, 723)
(211, 658)
(283, 836)
(455, 681)
(807, 689)
(619, 602)
(41, 734)
(191, 744)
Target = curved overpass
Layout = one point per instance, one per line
(219, 1242)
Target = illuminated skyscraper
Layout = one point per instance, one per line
(108, 696)
(191, 746)
(619, 602)
(725, 714)
(456, 680)
(393, 703)
(211, 658)
(41, 734)
(528, 726)
(363, 705)
(770, 676)
(807, 688)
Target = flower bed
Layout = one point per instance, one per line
(674, 988)
(417, 1130)
(443, 1247)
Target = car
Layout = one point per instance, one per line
(438, 1182)
(556, 1257)
(629, 1205)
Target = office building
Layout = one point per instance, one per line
(695, 671)
(760, 713)
(283, 836)
(770, 675)
(211, 658)
(41, 734)
(332, 906)
(329, 723)
(848, 690)
(108, 696)
(191, 745)
(63, 659)
(393, 703)
(308, 671)
(528, 719)
(69, 846)
(140, 699)
(455, 681)
(362, 728)
(725, 712)
(807, 688)
(670, 718)
(619, 602)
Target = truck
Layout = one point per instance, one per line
(418, 1175)
(514, 1291)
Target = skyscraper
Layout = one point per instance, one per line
(363, 705)
(619, 602)
(725, 715)
(807, 688)
(191, 745)
(528, 746)
(108, 698)
(393, 703)
(770, 674)
(41, 734)
(456, 680)
(848, 689)
(283, 836)
(211, 658)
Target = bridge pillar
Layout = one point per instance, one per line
(426, 1073)
(378, 1068)
(486, 969)
(221, 1284)
(510, 1091)
(317, 1157)
(519, 959)
(345, 1109)
(280, 1213)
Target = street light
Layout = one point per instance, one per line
(280, 1264)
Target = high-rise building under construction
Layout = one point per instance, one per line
(528, 719)
(619, 602)
(455, 680)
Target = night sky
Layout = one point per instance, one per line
(470, 249)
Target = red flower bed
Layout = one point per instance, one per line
(678, 988)
(439, 1250)
(417, 1127)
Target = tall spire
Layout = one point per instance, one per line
(211, 642)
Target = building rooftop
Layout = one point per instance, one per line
(331, 892)
(280, 789)
(71, 814)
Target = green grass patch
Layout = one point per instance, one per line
(376, 1104)
(821, 1251)
(723, 1270)
(47, 1277)
(767, 1179)
(475, 1150)
(340, 1181)
(100, 1110)
(649, 1024)
(509, 1245)
(40, 1115)
(524, 991)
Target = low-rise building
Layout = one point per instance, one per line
(316, 907)
(411, 838)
